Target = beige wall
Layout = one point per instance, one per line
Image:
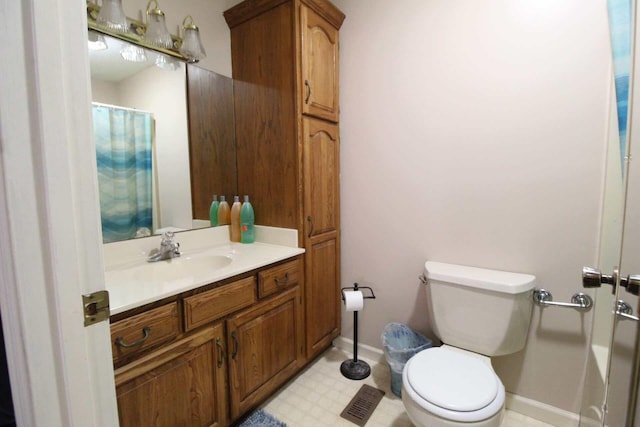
(105, 92)
(474, 133)
(162, 93)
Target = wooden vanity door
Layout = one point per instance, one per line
(319, 66)
(322, 234)
(265, 349)
(182, 384)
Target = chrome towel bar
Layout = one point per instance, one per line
(581, 302)
(625, 312)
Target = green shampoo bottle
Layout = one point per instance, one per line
(247, 229)
(213, 211)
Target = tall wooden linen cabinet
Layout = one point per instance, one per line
(285, 71)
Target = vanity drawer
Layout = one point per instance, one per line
(278, 278)
(138, 333)
(206, 307)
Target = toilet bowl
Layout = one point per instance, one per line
(477, 314)
(447, 387)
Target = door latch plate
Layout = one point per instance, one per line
(95, 307)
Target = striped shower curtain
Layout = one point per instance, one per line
(123, 140)
(620, 16)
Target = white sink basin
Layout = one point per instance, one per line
(174, 268)
(138, 282)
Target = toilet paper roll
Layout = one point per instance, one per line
(353, 300)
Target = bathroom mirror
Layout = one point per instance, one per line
(152, 176)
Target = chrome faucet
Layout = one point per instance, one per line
(168, 249)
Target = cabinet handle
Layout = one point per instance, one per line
(145, 334)
(308, 86)
(283, 281)
(220, 353)
(234, 338)
(310, 225)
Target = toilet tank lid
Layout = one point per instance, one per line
(492, 280)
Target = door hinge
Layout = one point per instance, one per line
(95, 307)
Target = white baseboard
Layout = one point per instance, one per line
(541, 411)
(368, 352)
(525, 406)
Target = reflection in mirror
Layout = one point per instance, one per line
(142, 127)
(162, 177)
(624, 367)
(212, 150)
(596, 375)
(604, 400)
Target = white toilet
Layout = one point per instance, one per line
(477, 313)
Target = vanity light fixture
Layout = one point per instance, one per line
(166, 62)
(133, 53)
(112, 17)
(191, 46)
(96, 41)
(157, 33)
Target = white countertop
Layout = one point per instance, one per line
(132, 282)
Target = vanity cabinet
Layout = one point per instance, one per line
(321, 157)
(203, 308)
(285, 69)
(265, 349)
(142, 332)
(182, 384)
(319, 65)
(208, 356)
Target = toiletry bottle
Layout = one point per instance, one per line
(213, 211)
(223, 211)
(247, 229)
(234, 230)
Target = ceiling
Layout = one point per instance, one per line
(109, 65)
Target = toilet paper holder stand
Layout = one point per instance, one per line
(355, 369)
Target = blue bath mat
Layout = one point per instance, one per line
(260, 418)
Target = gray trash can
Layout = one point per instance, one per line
(400, 343)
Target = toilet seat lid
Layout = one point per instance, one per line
(452, 380)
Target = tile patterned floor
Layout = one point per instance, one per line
(317, 396)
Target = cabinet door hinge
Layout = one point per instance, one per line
(95, 307)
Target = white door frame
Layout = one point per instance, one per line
(50, 239)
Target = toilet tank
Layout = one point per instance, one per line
(480, 310)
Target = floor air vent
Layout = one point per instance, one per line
(362, 405)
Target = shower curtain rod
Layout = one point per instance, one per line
(102, 104)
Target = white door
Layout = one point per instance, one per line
(50, 250)
(624, 369)
(610, 395)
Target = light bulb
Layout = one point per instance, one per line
(157, 33)
(191, 47)
(112, 17)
